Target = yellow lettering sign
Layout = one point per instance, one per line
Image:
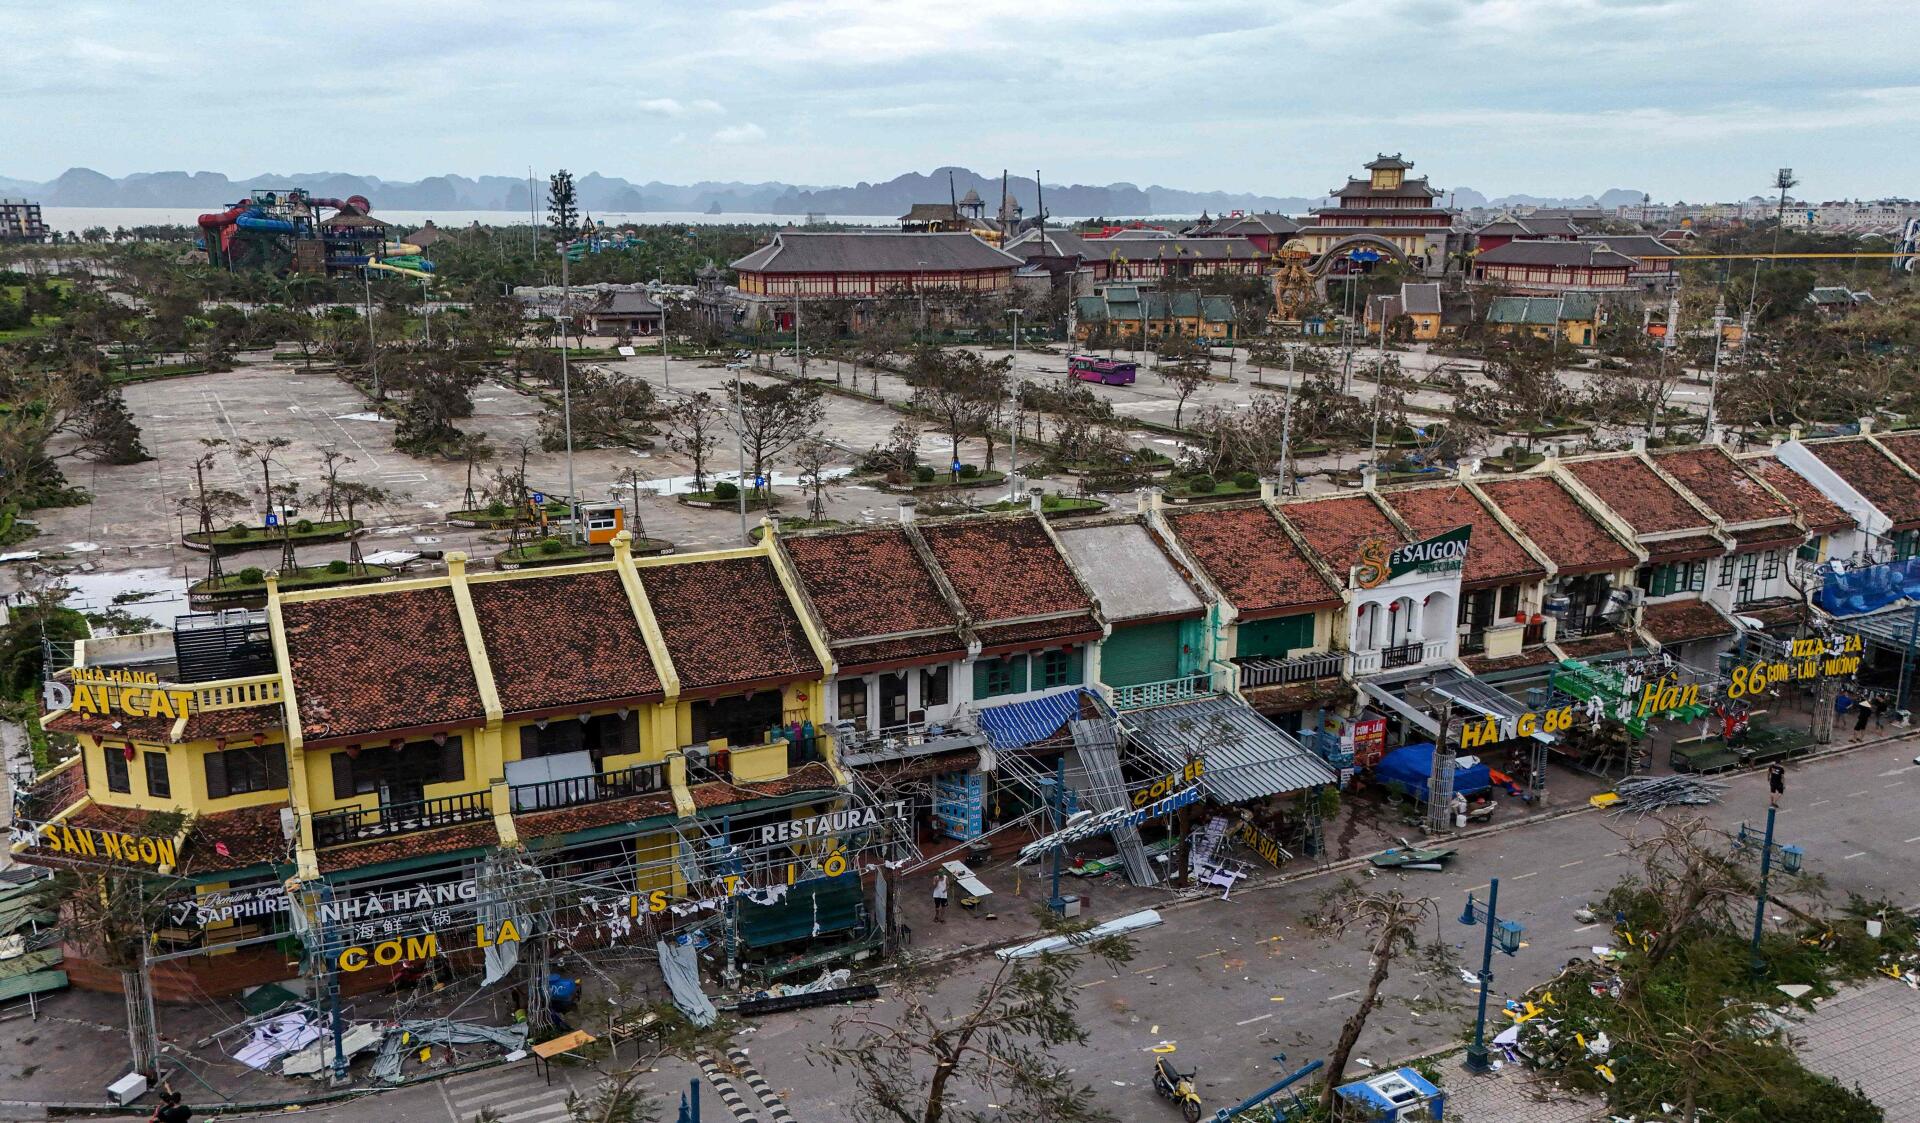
(389, 952)
(131, 699)
(1166, 784)
(91, 842)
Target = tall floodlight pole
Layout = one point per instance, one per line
(373, 349)
(1013, 454)
(566, 390)
(740, 435)
(1713, 384)
(1286, 428)
(666, 376)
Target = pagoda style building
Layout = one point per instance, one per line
(1386, 213)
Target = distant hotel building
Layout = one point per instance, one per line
(20, 221)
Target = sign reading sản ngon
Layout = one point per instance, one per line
(83, 843)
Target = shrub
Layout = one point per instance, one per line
(969, 471)
(923, 473)
(1246, 479)
(252, 575)
(238, 530)
(338, 566)
(726, 489)
(304, 526)
(1201, 485)
(551, 546)
(497, 509)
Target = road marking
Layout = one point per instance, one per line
(776, 1108)
(1855, 854)
(1343, 994)
(1478, 888)
(1094, 983)
(1818, 802)
(1151, 970)
(1524, 876)
(1856, 795)
(1588, 928)
(1211, 954)
(1893, 783)
(1575, 862)
(1250, 1021)
(1915, 838)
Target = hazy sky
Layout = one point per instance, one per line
(1686, 98)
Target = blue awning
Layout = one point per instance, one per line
(1019, 724)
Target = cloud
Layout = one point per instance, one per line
(674, 107)
(746, 133)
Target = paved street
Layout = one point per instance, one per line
(1231, 983)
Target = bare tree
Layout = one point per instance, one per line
(356, 495)
(960, 390)
(332, 459)
(814, 457)
(209, 504)
(263, 451)
(1186, 373)
(693, 429)
(773, 419)
(1391, 921)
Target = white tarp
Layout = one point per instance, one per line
(1132, 922)
(681, 968)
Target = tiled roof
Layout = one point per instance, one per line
(1646, 502)
(854, 252)
(939, 647)
(1247, 554)
(867, 583)
(1681, 621)
(383, 661)
(1336, 528)
(1597, 645)
(728, 621)
(1691, 547)
(234, 725)
(1039, 633)
(569, 639)
(1004, 569)
(249, 836)
(114, 727)
(1875, 476)
(1487, 664)
(1774, 611)
(1290, 697)
(1493, 556)
(1723, 484)
(1822, 515)
(566, 820)
(467, 836)
(1560, 255)
(1128, 571)
(1558, 524)
(920, 767)
(1906, 446)
(810, 777)
(1768, 537)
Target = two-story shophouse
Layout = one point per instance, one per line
(1589, 557)
(1754, 579)
(645, 730)
(1874, 479)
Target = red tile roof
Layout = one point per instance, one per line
(921, 768)
(1493, 556)
(1247, 554)
(1039, 633)
(1597, 645)
(1291, 697)
(381, 661)
(1874, 475)
(1680, 621)
(249, 836)
(566, 820)
(811, 777)
(1774, 611)
(1564, 530)
(1336, 528)
(114, 727)
(1768, 537)
(1487, 664)
(1822, 515)
(1906, 446)
(569, 639)
(866, 583)
(728, 622)
(1646, 502)
(1004, 568)
(941, 647)
(1723, 484)
(235, 725)
(467, 836)
(1693, 547)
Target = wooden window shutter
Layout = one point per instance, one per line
(276, 765)
(342, 775)
(452, 763)
(216, 775)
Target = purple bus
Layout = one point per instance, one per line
(1110, 372)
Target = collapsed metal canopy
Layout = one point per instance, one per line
(1463, 690)
(1018, 724)
(1247, 756)
(1895, 629)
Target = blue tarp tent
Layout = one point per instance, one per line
(1410, 766)
(1870, 588)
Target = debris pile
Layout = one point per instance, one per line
(1641, 794)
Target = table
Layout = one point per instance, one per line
(544, 1052)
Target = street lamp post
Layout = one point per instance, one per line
(566, 391)
(1790, 859)
(1013, 378)
(1713, 384)
(1506, 934)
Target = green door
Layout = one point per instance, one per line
(1138, 653)
(1275, 637)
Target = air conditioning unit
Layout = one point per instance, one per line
(698, 755)
(127, 1089)
(289, 824)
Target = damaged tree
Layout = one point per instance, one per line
(1392, 921)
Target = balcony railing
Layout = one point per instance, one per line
(546, 795)
(1579, 625)
(1473, 643)
(894, 742)
(1294, 668)
(237, 693)
(360, 824)
(1401, 655)
(1143, 694)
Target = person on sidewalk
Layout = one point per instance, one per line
(1865, 714)
(171, 1110)
(940, 898)
(1776, 784)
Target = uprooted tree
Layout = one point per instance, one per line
(1391, 923)
(925, 1062)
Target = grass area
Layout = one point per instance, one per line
(490, 518)
(237, 538)
(729, 500)
(1053, 505)
(155, 372)
(787, 525)
(1208, 488)
(1142, 460)
(943, 480)
(556, 551)
(253, 580)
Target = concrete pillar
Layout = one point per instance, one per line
(1035, 497)
(1369, 478)
(908, 509)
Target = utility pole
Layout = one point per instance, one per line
(1790, 859)
(740, 435)
(1286, 429)
(566, 391)
(1713, 384)
(1013, 391)
(666, 376)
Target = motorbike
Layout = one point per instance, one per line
(1176, 1087)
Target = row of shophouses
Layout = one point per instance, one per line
(763, 737)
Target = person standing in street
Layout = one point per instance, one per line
(1776, 783)
(1865, 713)
(940, 898)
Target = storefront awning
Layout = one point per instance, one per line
(1464, 690)
(1246, 756)
(1019, 724)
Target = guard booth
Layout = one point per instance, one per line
(1400, 1096)
(602, 521)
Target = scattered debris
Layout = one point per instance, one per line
(1641, 794)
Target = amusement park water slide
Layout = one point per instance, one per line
(394, 257)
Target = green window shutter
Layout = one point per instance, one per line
(1139, 653)
(1077, 665)
(1275, 638)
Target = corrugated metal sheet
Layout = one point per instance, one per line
(1247, 756)
(1018, 724)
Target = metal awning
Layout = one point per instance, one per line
(1896, 629)
(1464, 690)
(1420, 718)
(1246, 756)
(1019, 724)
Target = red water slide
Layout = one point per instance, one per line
(223, 223)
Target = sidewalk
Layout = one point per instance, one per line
(1864, 1036)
